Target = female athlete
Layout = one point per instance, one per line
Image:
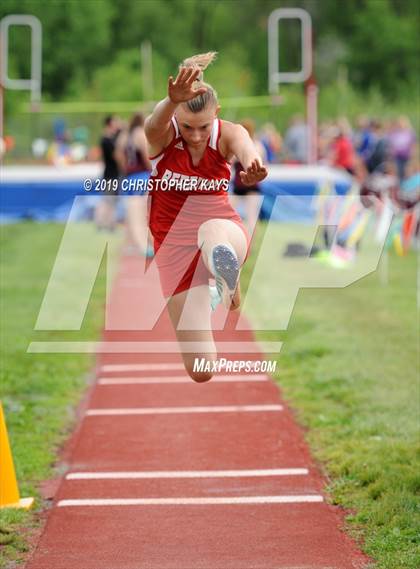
(197, 233)
(131, 155)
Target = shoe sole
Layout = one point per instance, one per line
(226, 269)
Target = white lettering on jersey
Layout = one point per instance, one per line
(177, 181)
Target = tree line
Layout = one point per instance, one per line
(91, 49)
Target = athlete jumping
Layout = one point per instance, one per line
(197, 233)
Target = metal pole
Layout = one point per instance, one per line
(303, 74)
(312, 120)
(273, 52)
(34, 83)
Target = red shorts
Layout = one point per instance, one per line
(177, 253)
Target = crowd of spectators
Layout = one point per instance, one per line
(378, 153)
(369, 145)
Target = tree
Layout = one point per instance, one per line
(384, 48)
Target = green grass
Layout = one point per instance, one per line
(39, 391)
(349, 369)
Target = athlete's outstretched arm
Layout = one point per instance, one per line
(242, 146)
(158, 124)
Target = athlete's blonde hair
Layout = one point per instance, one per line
(209, 97)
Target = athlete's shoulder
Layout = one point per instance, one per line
(228, 126)
(229, 131)
(157, 147)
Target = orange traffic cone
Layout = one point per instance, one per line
(9, 492)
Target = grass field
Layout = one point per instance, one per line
(39, 391)
(348, 367)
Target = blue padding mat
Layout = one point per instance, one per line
(46, 193)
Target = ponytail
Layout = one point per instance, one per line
(209, 97)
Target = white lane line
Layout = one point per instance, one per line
(192, 501)
(156, 347)
(198, 409)
(186, 474)
(180, 379)
(142, 367)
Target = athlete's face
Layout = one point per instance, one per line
(195, 128)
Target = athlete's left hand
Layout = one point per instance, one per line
(254, 173)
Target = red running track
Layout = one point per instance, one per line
(187, 476)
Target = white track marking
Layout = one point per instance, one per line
(143, 367)
(186, 474)
(180, 379)
(192, 501)
(157, 347)
(197, 409)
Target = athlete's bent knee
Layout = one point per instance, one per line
(200, 366)
(200, 376)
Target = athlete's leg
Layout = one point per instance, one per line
(221, 231)
(194, 325)
(224, 245)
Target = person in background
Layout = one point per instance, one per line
(342, 154)
(245, 195)
(61, 134)
(58, 152)
(363, 138)
(105, 212)
(410, 186)
(132, 157)
(402, 141)
(379, 156)
(296, 141)
(326, 134)
(271, 141)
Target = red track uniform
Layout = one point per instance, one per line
(183, 197)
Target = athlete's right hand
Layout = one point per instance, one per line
(181, 89)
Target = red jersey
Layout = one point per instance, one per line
(183, 197)
(344, 153)
(186, 193)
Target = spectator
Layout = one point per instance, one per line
(105, 212)
(402, 140)
(342, 154)
(363, 138)
(132, 157)
(326, 133)
(271, 141)
(410, 187)
(296, 141)
(379, 156)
